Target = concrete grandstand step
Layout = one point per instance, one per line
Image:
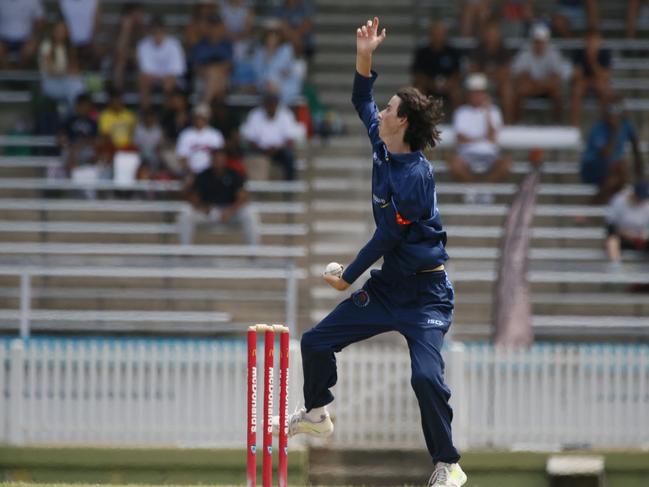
(364, 208)
(572, 325)
(340, 20)
(335, 227)
(116, 321)
(126, 228)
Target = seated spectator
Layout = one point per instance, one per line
(591, 73)
(78, 139)
(197, 28)
(60, 79)
(239, 19)
(475, 14)
(116, 125)
(297, 24)
(244, 75)
(537, 71)
(603, 162)
(175, 115)
(82, 19)
(633, 12)
(517, 16)
(275, 65)
(493, 59)
(571, 15)
(148, 139)
(196, 142)
(161, 61)
(476, 126)
(436, 66)
(627, 222)
(271, 130)
(130, 32)
(217, 196)
(212, 59)
(20, 21)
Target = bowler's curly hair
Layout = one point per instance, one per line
(424, 114)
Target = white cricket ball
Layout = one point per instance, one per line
(334, 269)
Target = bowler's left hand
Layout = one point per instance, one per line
(336, 282)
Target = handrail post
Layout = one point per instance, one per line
(25, 304)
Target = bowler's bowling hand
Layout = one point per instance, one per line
(335, 282)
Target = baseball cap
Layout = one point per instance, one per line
(540, 32)
(202, 110)
(476, 82)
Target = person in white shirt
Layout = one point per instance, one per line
(82, 19)
(195, 143)
(20, 20)
(627, 222)
(538, 70)
(161, 61)
(271, 129)
(476, 127)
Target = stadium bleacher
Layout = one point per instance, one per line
(324, 216)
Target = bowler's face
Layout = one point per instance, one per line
(389, 121)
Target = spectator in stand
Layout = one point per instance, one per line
(436, 66)
(634, 12)
(476, 126)
(82, 19)
(131, 29)
(627, 222)
(475, 14)
(537, 70)
(275, 65)
(492, 58)
(196, 142)
(517, 16)
(116, 125)
(591, 73)
(603, 162)
(78, 139)
(297, 24)
(20, 21)
(271, 129)
(212, 59)
(571, 15)
(161, 62)
(59, 69)
(148, 139)
(198, 26)
(175, 115)
(239, 19)
(217, 196)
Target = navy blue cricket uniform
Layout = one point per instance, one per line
(404, 295)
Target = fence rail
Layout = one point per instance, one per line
(192, 392)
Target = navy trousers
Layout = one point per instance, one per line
(421, 309)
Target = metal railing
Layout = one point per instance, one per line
(192, 393)
(290, 274)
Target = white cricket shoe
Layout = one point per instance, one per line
(299, 423)
(447, 475)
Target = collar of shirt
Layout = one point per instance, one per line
(405, 157)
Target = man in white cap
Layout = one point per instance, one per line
(195, 143)
(538, 69)
(476, 126)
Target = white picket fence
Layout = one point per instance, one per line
(193, 392)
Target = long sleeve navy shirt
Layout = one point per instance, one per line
(409, 234)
